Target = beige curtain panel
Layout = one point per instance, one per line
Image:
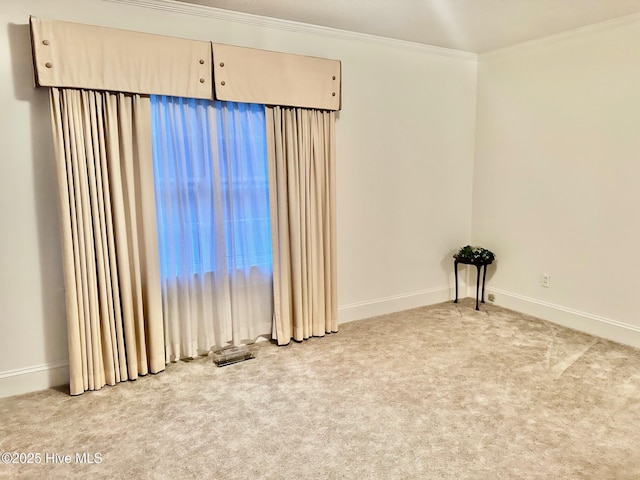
(301, 150)
(102, 145)
(102, 142)
(272, 78)
(84, 56)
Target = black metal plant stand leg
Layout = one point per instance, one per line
(484, 280)
(478, 286)
(455, 269)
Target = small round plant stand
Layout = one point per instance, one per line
(479, 266)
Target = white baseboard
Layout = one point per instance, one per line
(32, 379)
(40, 377)
(585, 322)
(396, 303)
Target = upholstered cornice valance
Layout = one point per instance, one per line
(74, 55)
(82, 56)
(273, 78)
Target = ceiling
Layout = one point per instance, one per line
(470, 25)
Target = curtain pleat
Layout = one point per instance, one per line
(102, 143)
(301, 151)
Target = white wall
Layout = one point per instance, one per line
(556, 177)
(404, 175)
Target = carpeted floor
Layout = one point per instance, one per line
(439, 392)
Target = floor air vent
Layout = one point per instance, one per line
(231, 355)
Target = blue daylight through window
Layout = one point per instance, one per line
(211, 186)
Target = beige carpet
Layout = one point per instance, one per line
(440, 392)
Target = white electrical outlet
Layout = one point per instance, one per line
(546, 280)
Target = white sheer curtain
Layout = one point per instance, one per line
(212, 201)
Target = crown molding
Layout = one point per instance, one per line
(566, 35)
(174, 6)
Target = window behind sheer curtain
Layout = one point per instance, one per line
(215, 166)
(242, 150)
(212, 202)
